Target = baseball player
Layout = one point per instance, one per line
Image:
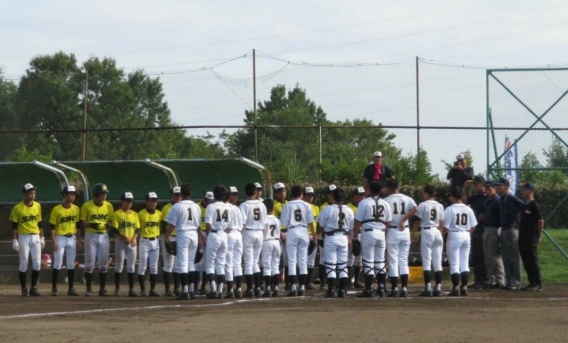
(298, 219)
(234, 195)
(279, 202)
(233, 267)
(96, 216)
(149, 219)
(126, 227)
(271, 250)
(66, 239)
(218, 219)
(335, 222)
(27, 236)
(169, 260)
(185, 218)
(258, 191)
(459, 222)
(371, 222)
(398, 237)
(354, 262)
(321, 268)
(431, 214)
(309, 198)
(254, 215)
(207, 199)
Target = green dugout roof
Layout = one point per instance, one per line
(14, 175)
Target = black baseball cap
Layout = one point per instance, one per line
(479, 178)
(489, 184)
(528, 185)
(502, 182)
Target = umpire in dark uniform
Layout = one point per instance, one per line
(377, 171)
(477, 204)
(460, 172)
(530, 229)
(509, 220)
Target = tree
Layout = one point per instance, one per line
(557, 155)
(531, 163)
(8, 142)
(415, 169)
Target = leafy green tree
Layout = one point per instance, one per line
(540, 177)
(557, 155)
(8, 142)
(415, 169)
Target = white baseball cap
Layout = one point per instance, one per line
(209, 196)
(331, 188)
(28, 187)
(460, 157)
(68, 189)
(257, 185)
(176, 190)
(377, 154)
(359, 190)
(234, 190)
(278, 186)
(151, 195)
(309, 190)
(127, 196)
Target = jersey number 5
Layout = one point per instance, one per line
(256, 214)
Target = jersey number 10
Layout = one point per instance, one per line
(461, 218)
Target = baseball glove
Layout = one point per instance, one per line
(312, 247)
(198, 255)
(356, 247)
(320, 242)
(171, 248)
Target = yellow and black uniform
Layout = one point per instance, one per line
(203, 210)
(324, 205)
(126, 224)
(164, 225)
(278, 206)
(315, 213)
(92, 213)
(64, 220)
(27, 218)
(149, 223)
(353, 207)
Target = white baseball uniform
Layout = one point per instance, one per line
(337, 223)
(373, 213)
(234, 256)
(220, 216)
(185, 216)
(398, 242)
(254, 216)
(271, 246)
(459, 219)
(296, 217)
(430, 213)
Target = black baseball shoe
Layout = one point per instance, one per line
(341, 293)
(153, 293)
(103, 293)
(219, 295)
(238, 294)
(330, 293)
(301, 293)
(54, 292)
(230, 294)
(309, 286)
(511, 288)
(293, 293)
(463, 291)
(191, 295)
(34, 292)
(275, 293)
(72, 293)
(455, 292)
(425, 294)
(212, 295)
(393, 294)
(89, 292)
(249, 293)
(117, 292)
(202, 291)
(497, 286)
(183, 296)
(381, 293)
(143, 293)
(131, 293)
(437, 293)
(25, 292)
(266, 294)
(367, 293)
(257, 293)
(358, 285)
(404, 293)
(169, 293)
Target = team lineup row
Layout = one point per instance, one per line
(227, 235)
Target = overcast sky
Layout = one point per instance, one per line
(175, 36)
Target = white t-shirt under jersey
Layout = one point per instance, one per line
(185, 215)
(459, 217)
(430, 213)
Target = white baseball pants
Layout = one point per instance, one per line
(123, 250)
(148, 249)
(68, 246)
(398, 247)
(431, 246)
(186, 243)
(457, 248)
(297, 242)
(97, 248)
(336, 250)
(352, 260)
(169, 260)
(252, 246)
(373, 248)
(271, 257)
(234, 255)
(29, 245)
(216, 252)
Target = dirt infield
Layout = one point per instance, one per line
(484, 316)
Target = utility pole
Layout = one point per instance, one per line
(254, 104)
(417, 105)
(85, 99)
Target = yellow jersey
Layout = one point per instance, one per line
(149, 223)
(315, 213)
(65, 219)
(28, 218)
(278, 206)
(324, 205)
(165, 210)
(126, 223)
(91, 213)
(203, 210)
(353, 207)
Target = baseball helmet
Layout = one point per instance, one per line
(198, 255)
(100, 188)
(356, 247)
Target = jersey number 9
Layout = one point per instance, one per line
(433, 213)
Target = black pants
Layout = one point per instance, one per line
(477, 257)
(528, 248)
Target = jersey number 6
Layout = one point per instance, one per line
(298, 215)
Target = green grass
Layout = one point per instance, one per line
(554, 266)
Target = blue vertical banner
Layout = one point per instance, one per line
(512, 165)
